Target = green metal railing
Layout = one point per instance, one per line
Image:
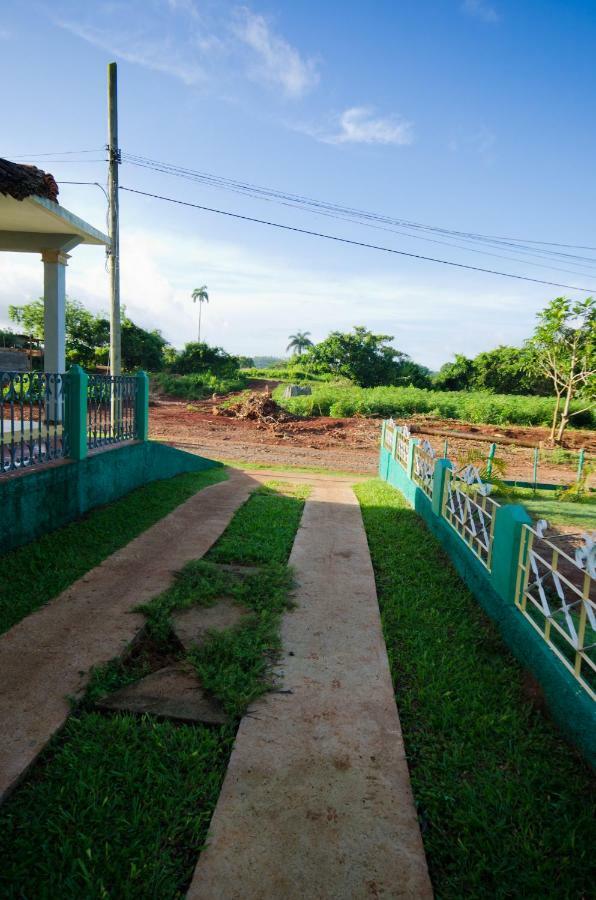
(46, 416)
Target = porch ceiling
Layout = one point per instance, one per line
(36, 224)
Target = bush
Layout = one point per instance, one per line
(201, 359)
(196, 387)
(476, 407)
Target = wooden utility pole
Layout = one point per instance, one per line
(114, 225)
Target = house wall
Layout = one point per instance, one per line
(37, 501)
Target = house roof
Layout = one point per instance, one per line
(32, 220)
(21, 181)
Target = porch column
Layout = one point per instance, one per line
(54, 308)
(54, 295)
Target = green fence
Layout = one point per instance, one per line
(542, 597)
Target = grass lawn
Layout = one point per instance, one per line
(506, 805)
(42, 569)
(119, 806)
(544, 505)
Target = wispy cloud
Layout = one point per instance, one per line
(481, 9)
(161, 55)
(360, 125)
(482, 142)
(277, 61)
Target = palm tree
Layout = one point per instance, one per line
(299, 342)
(202, 296)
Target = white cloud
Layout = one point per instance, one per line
(159, 55)
(278, 62)
(481, 9)
(257, 299)
(481, 142)
(359, 125)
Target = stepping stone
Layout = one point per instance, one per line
(171, 693)
(192, 625)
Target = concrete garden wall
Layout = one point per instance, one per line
(34, 502)
(570, 705)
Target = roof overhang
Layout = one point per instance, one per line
(36, 224)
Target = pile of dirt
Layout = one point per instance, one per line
(256, 408)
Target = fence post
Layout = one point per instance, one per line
(442, 467)
(580, 464)
(75, 425)
(489, 462)
(506, 547)
(411, 451)
(142, 406)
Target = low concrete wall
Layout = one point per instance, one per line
(570, 706)
(37, 501)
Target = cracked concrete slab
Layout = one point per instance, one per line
(47, 658)
(317, 801)
(191, 626)
(174, 692)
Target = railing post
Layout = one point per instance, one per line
(411, 451)
(506, 548)
(75, 425)
(142, 406)
(442, 467)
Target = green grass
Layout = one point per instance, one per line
(42, 569)
(119, 806)
(233, 665)
(470, 406)
(504, 803)
(543, 504)
(279, 467)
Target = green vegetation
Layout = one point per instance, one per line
(504, 802)
(503, 370)
(493, 409)
(88, 336)
(233, 664)
(119, 806)
(195, 387)
(41, 570)
(544, 504)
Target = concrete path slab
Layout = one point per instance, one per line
(317, 802)
(171, 693)
(47, 657)
(192, 626)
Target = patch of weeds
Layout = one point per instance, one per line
(42, 569)
(505, 803)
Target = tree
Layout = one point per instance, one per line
(563, 349)
(85, 331)
(299, 342)
(202, 296)
(504, 370)
(197, 358)
(88, 336)
(455, 376)
(363, 357)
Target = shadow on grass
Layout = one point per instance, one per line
(503, 800)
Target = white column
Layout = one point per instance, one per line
(54, 295)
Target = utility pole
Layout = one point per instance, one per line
(114, 225)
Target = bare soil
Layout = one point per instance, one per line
(349, 444)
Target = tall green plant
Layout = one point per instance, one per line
(202, 296)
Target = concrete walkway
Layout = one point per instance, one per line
(317, 802)
(46, 658)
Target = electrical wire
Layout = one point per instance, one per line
(271, 194)
(354, 243)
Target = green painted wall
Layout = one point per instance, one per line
(36, 502)
(569, 704)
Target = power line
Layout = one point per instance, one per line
(426, 239)
(320, 206)
(342, 240)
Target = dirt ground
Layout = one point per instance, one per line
(349, 444)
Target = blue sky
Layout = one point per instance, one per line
(475, 115)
